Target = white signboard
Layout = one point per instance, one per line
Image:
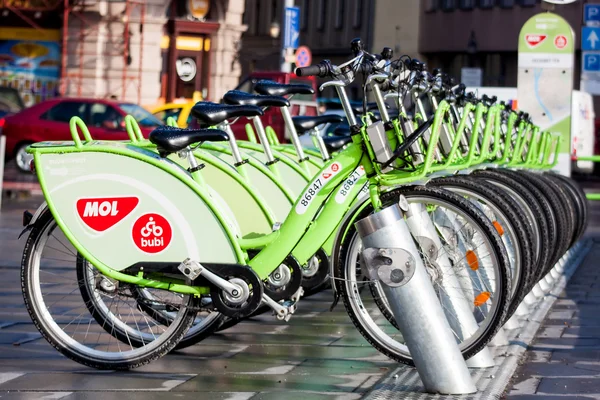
(582, 129)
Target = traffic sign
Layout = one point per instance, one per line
(590, 38)
(590, 72)
(591, 14)
(291, 36)
(303, 56)
(591, 61)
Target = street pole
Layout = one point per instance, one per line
(285, 66)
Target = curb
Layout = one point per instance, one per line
(404, 383)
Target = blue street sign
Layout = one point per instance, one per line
(591, 61)
(291, 35)
(590, 38)
(591, 13)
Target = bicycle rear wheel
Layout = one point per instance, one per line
(52, 293)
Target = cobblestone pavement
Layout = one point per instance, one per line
(316, 355)
(564, 360)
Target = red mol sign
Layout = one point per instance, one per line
(101, 214)
(534, 40)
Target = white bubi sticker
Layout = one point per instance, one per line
(315, 187)
(346, 188)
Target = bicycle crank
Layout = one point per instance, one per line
(241, 295)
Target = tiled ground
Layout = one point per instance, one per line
(564, 360)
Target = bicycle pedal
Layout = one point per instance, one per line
(190, 268)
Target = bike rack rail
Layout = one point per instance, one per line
(391, 257)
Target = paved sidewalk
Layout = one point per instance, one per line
(564, 360)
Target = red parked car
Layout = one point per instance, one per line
(49, 120)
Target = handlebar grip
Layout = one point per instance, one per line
(311, 70)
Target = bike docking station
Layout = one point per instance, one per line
(391, 258)
(446, 365)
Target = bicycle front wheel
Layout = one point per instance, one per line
(468, 238)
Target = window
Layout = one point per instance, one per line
(448, 5)
(339, 13)
(63, 112)
(486, 3)
(527, 3)
(256, 29)
(105, 116)
(431, 5)
(322, 14)
(466, 4)
(506, 3)
(141, 115)
(304, 11)
(276, 15)
(358, 11)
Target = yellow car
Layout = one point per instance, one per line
(179, 111)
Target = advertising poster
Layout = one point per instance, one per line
(30, 62)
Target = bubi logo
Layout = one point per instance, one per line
(152, 233)
(560, 42)
(534, 40)
(101, 214)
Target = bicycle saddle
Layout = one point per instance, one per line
(170, 140)
(306, 123)
(281, 89)
(247, 99)
(335, 143)
(213, 114)
(341, 130)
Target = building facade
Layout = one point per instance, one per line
(327, 27)
(484, 33)
(142, 51)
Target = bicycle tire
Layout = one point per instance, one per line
(50, 329)
(342, 247)
(511, 213)
(549, 212)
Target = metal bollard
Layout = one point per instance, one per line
(2, 151)
(522, 310)
(543, 285)
(512, 323)
(391, 257)
(454, 287)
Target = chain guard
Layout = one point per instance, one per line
(247, 275)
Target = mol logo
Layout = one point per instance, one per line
(152, 233)
(101, 214)
(534, 40)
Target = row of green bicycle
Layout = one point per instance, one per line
(145, 246)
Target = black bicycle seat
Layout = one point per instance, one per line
(169, 139)
(281, 89)
(336, 143)
(213, 114)
(306, 123)
(247, 99)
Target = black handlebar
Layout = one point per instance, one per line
(321, 70)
